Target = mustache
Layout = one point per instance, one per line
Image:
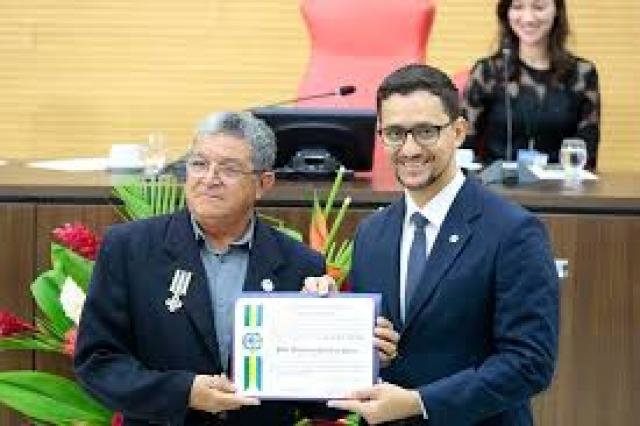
(401, 158)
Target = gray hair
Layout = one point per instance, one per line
(246, 126)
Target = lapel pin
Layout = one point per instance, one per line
(178, 288)
(454, 238)
(267, 285)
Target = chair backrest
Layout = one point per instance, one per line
(358, 42)
(461, 79)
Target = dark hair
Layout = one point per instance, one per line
(561, 60)
(414, 77)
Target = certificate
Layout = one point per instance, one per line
(300, 346)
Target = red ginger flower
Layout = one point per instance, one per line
(11, 324)
(78, 238)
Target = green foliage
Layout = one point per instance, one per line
(27, 343)
(46, 292)
(71, 264)
(146, 198)
(280, 225)
(52, 399)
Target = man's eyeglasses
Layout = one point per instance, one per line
(227, 171)
(423, 134)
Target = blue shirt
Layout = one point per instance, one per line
(226, 272)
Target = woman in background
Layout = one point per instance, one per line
(553, 94)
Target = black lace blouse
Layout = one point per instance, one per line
(544, 112)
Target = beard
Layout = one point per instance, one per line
(432, 173)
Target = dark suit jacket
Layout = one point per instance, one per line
(137, 357)
(480, 336)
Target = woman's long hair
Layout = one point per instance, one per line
(560, 58)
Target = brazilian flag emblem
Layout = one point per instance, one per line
(253, 315)
(252, 342)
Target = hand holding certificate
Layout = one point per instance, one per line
(294, 346)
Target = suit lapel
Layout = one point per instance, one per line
(265, 257)
(184, 253)
(389, 259)
(453, 236)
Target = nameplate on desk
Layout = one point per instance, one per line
(299, 346)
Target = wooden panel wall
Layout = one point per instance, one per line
(17, 261)
(598, 375)
(76, 76)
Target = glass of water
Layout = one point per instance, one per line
(155, 154)
(573, 157)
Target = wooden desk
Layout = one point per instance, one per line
(596, 228)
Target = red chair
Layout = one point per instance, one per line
(461, 79)
(358, 42)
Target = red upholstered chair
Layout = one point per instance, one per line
(460, 79)
(358, 42)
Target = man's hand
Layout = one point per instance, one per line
(382, 403)
(215, 394)
(385, 341)
(385, 337)
(321, 286)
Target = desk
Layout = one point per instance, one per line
(596, 228)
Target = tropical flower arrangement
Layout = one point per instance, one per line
(60, 292)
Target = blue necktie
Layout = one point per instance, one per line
(417, 259)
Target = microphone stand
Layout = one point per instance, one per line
(504, 171)
(509, 167)
(506, 53)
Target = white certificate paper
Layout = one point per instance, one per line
(296, 346)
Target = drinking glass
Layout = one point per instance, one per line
(573, 158)
(155, 154)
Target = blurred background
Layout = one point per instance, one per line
(78, 76)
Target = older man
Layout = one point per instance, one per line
(161, 355)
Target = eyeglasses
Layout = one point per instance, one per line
(423, 134)
(227, 171)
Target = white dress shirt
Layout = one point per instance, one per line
(435, 211)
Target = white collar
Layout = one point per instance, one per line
(437, 208)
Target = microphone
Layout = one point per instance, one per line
(340, 91)
(506, 57)
(178, 168)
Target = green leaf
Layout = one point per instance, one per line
(337, 222)
(280, 226)
(49, 398)
(337, 183)
(353, 419)
(134, 200)
(47, 334)
(72, 265)
(46, 292)
(142, 199)
(330, 251)
(25, 343)
(291, 232)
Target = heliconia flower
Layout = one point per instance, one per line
(335, 272)
(72, 299)
(317, 231)
(69, 345)
(78, 238)
(11, 324)
(117, 419)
